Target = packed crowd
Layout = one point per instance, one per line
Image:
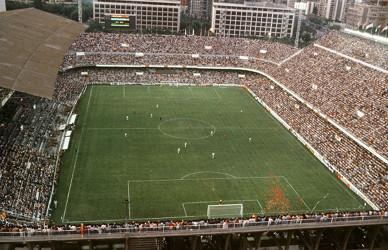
(166, 59)
(362, 49)
(28, 147)
(361, 168)
(71, 83)
(21, 229)
(202, 45)
(352, 94)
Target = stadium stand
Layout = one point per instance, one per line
(29, 144)
(32, 45)
(352, 94)
(352, 161)
(203, 45)
(362, 49)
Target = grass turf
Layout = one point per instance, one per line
(120, 168)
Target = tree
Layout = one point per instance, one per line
(199, 26)
(306, 37)
(74, 15)
(335, 27)
(87, 11)
(12, 5)
(315, 10)
(94, 26)
(38, 4)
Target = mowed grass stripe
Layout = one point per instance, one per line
(108, 158)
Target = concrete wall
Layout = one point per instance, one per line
(2, 5)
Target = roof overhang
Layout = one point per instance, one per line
(32, 46)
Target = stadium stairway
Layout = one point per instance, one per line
(143, 244)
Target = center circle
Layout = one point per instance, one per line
(186, 128)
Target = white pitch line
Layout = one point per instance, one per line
(215, 90)
(184, 209)
(319, 201)
(200, 202)
(307, 206)
(76, 156)
(129, 128)
(215, 178)
(129, 202)
(181, 128)
(261, 207)
(207, 172)
(191, 92)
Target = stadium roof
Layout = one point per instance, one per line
(32, 47)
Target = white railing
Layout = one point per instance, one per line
(194, 228)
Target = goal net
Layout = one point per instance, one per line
(224, 211)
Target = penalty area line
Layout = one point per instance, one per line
(301, 198)
(184, 209)
(202, 179)
(261, 207)
(201, 202)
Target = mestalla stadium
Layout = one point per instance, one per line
(129, 141)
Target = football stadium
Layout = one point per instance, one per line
(191, 142)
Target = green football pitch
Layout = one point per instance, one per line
(123, 161)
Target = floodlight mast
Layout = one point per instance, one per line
(300, 6)
(80, 11)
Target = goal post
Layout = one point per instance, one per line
(225, 211)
